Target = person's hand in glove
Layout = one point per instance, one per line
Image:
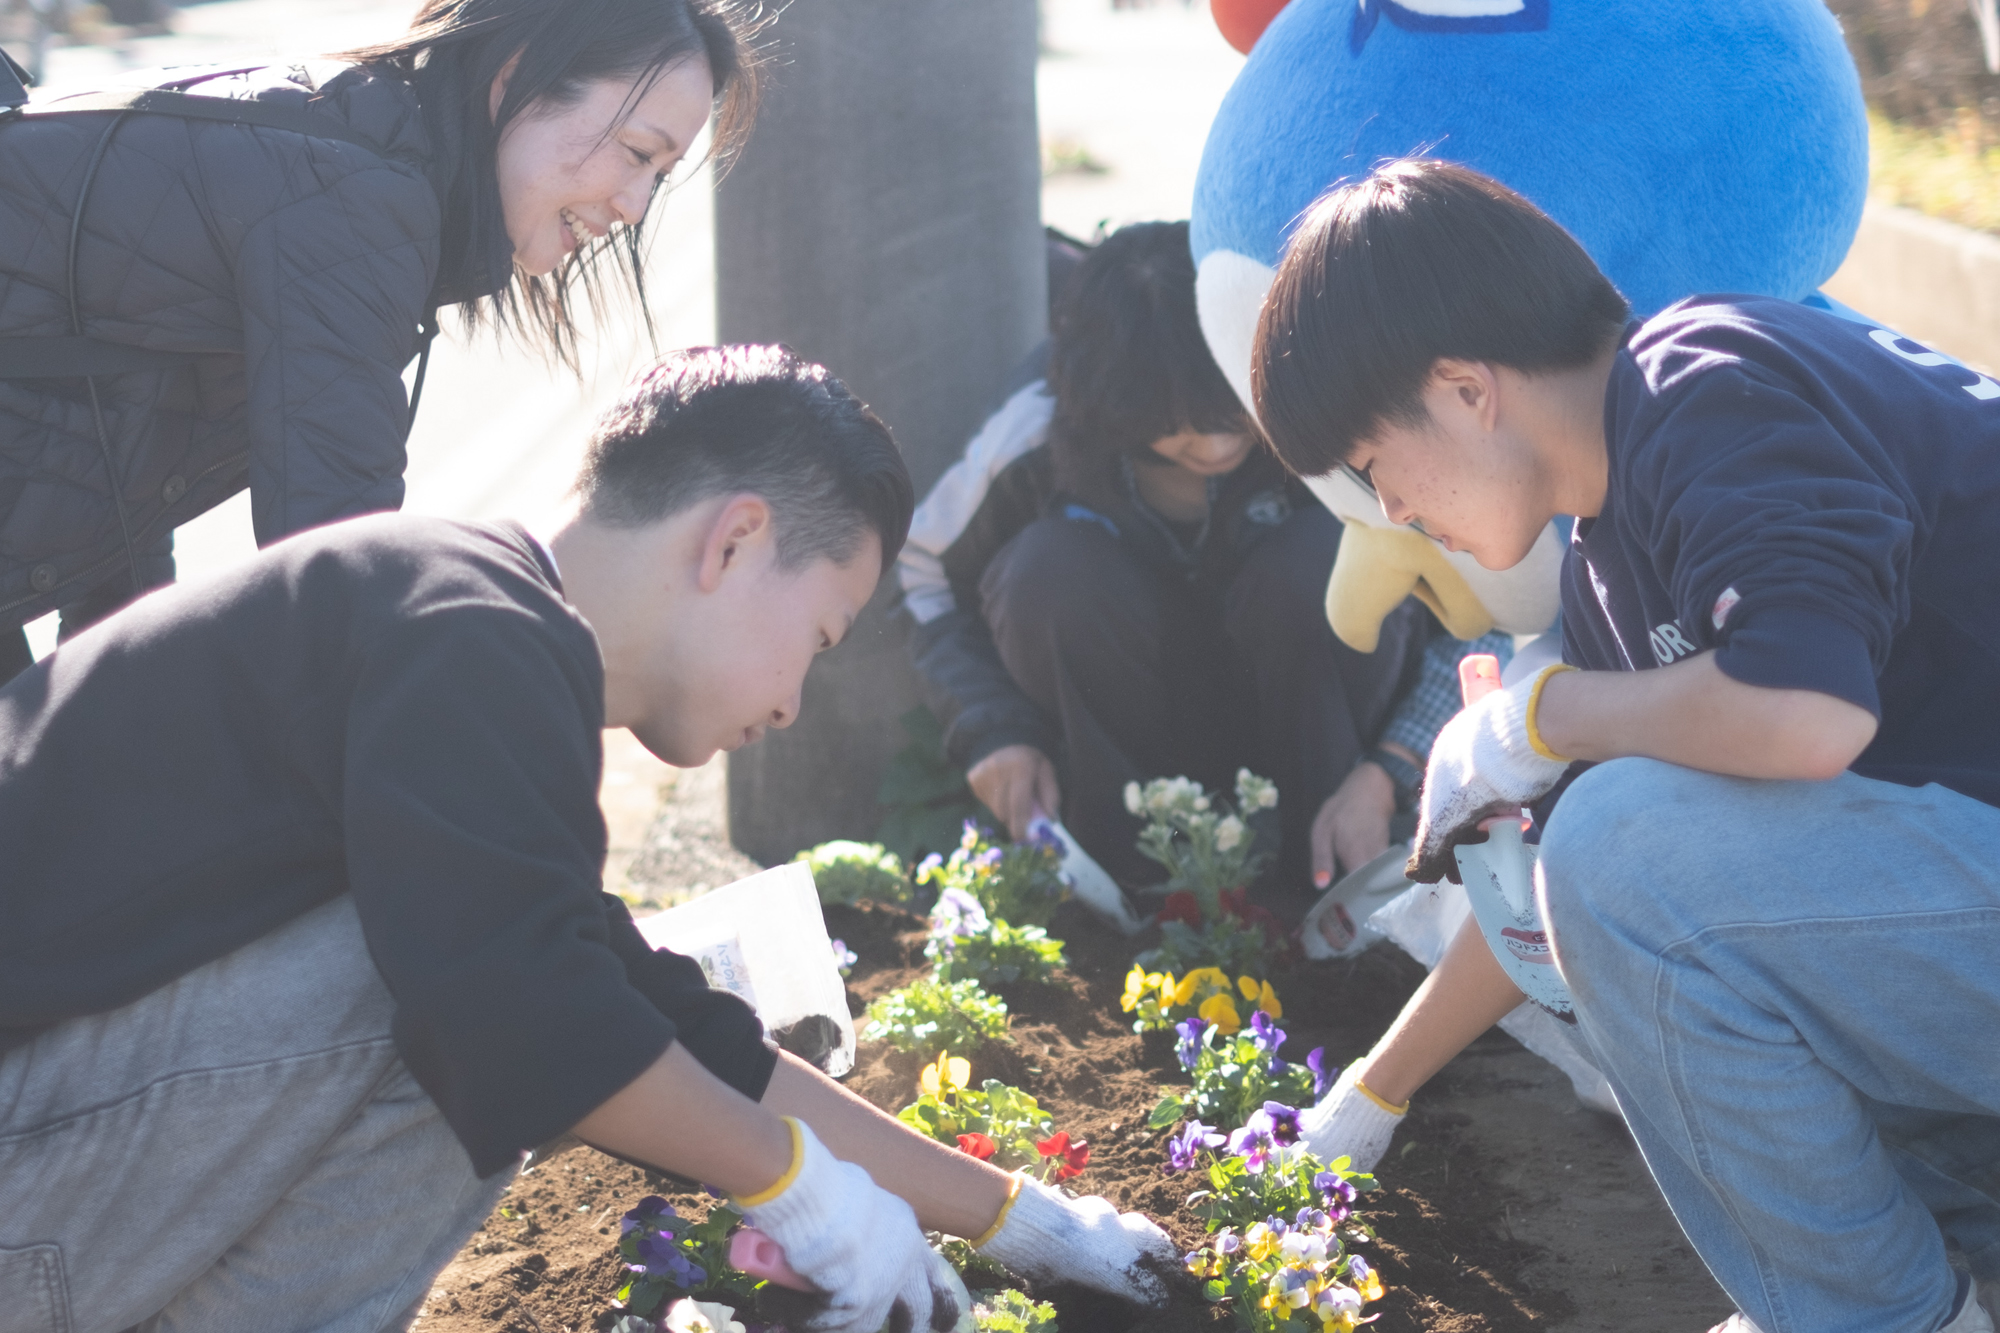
(1487, 760)
(1352, 1122)
(857, 1243)
(1046, 1236)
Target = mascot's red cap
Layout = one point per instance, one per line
(1243, 21)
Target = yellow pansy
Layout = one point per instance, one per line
(1247, 987)
(1184, 993)
(1267, 1000)
(1221, 1011)
(950, 1071)
(1136, 982)
(1370, 1286)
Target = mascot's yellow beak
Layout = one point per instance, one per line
(1378, 567)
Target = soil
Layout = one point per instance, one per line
(1455, 1241)
(1505, 1205)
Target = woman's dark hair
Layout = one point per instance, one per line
(1421, 260)
(1129, 365)
(453, 52)
(711, 421)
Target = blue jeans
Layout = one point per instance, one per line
(1794, 990)
(241, 1151)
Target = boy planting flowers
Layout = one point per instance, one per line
(1772, 892)
(304, 882)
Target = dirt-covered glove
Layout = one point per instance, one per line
(1352, 1122)
(1489, 758)
(858, 1244)
(1045, 1236)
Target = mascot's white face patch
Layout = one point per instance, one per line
(1229, 290)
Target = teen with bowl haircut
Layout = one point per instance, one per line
(302, 943)
(1770, 880)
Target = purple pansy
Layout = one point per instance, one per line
(1189, 1046)
(1184, 1147)
(1284, 1121)
(1254, 1144)
(1321, 1078)
(958, 915)
(649, 1211)
(1265, 1032)
(659, 1256)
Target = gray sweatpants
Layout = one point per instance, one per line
(240, 1149)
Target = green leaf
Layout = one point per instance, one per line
(1168, 1112)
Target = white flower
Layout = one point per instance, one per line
(686, 1316)
(1253, 792)
(1135, 800)
(1228, 834)
(1303, 1246)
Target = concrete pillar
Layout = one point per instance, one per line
(885, 221)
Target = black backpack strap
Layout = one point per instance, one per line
(193, 106)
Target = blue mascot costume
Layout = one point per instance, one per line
(1719, 146)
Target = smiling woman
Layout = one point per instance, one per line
(253, 257)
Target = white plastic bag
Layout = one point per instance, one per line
(763, 939)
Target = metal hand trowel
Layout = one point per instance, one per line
(1087, 879)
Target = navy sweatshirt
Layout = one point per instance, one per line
(1818, 500)
(400, 708)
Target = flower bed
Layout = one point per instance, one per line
(548, 1260)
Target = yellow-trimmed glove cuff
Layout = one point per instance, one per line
(1530, 720)
(783, 1182)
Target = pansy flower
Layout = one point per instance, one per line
(978, 1145)
(1185, 1148)
(1284, 1121)
(1254, 1144)
(649, 1211)
(1075, 1156)
(1188, 1048)
(951, 1072)
(1221, 1011)
(1322, 1077)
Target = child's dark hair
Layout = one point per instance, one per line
(1130, 365)
(1421, 260)
(709, 421)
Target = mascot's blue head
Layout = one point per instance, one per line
(1714, 146)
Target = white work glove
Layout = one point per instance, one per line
(1350, 1121)
(1487, 759)
(1045, 1236)
(857, 1243)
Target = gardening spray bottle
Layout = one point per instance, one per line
(1499, 879)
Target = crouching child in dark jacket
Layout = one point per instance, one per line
(1118, 582)
(302, 943)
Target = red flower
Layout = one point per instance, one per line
(1181, 906)
(1075, 1156)
(978, 1145)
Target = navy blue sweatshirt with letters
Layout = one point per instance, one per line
(1818, 500)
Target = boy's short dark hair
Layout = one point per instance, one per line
(709, 421)
(1129, 364)
(1421, 260)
